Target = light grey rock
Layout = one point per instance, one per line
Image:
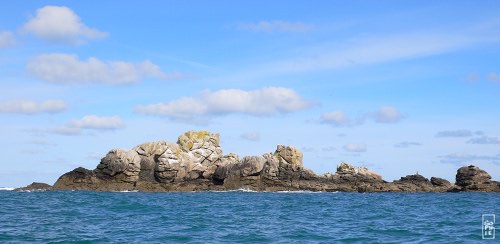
(121, 164)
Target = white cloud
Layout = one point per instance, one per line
(60, 24)
(33, 107)
(337, 118)
(484, 140)
(6, 39)
(98, 123)
(406, 144)
(276, 26)
(387, 115)
(454, 133)
(353, 147)
(267, 101)
(250, 136)
(88, 122)
(383, 115)
(68, 69)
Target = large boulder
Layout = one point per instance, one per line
(203, 152)
(149, 153)
(289, 156)
(436, 181)
(250, 165)
(225, 166)
(121, 165)
(271, 167)
(169, 164)
(347, 169)
(472, 178)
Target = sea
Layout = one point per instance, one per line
(244, 217)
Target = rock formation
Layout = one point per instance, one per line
(472, 178)
(196, 163)
(35, 186)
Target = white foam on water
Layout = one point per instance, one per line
(7, 188)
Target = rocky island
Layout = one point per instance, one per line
(196, 163)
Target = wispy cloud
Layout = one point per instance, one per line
(6, 39)
(464, 158)
(68, 69)
(406, 144)
(484, 140)
(493, 76)
(276, 26)
(88, 122)
(454, 133)
(368, 50)
(267, 101)
(33, 107)
(355, 147)
(61, 25)
(250, 136)
(385, 114)
(328, 149)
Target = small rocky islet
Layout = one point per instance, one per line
(196, 163)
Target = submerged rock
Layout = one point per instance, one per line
(196, 163)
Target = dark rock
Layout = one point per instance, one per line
(35, 186)
(472, 178)
(436, 181)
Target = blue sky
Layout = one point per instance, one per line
(396, 86)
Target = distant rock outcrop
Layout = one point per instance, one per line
(196, 163)
(472, 178)
(35, 186)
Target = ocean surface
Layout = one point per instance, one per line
(244, 217)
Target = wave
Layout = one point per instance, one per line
(7, 188)
(127, 191)
(301, 192)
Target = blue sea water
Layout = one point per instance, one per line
(243, 217)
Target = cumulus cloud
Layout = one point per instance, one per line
(250, 136)
(68, 69)
(465, 159)
(6, 39)
(484, 140)
(405, 144)
(276, 26)
(383, 115)
(88, 122)
(60, 24)
(33, 107)
(98, 123)
(267, 101)
(354, 147)
(337, 118)
(387, 115)
(454, 133)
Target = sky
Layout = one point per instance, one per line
(397, 86)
